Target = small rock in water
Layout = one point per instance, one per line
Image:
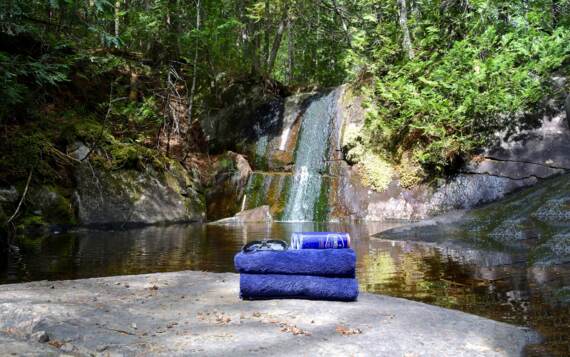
(40, 336)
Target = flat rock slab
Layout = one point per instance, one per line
(188, 312)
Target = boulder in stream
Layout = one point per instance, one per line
(536, 220)
(134, 197)
(256, 215)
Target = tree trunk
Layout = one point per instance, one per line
(117, 20)
(555, 8)
(338, 11)
(194, 69)
(277, 41)
(290, 50)
(406, 40)
(266, 32)
(134, 86)
(255, 52)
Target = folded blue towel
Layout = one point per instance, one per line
(322, 262)
(273, 286)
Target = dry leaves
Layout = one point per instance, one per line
(347, 331)
(284, 326)
(293, 329)
(216, 317)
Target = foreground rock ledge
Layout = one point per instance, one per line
(200, 313)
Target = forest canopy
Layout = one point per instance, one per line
(439, 76)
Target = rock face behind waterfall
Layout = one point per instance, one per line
(226, 189)
(299, 170)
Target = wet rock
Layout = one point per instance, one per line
(275, 150)
(224, 196)
(256, 215)
(535, 220)
(130, 197)
(259, 214)
(268, 188)
(250, 109)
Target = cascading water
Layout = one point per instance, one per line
(319, 120)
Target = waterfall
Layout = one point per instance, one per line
(318, 122)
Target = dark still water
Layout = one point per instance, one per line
(491, 283)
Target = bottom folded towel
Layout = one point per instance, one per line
(271, 286)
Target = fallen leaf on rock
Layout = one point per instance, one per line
(56, 343)
(294, 330)
(346, 331)
(220, 318)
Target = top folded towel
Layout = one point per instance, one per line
(320, 240)
(325, 262)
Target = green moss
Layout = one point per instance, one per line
(275, 196)
(60, 211)
(87, 129)
(410, 171)
(255, 191)
(321, 209)
(30, 221)
(376, 172)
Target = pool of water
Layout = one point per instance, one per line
(491, 283)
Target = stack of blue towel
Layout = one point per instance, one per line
(320, 274)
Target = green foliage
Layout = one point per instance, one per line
(18, 74)
(479, 66)
(469, 79)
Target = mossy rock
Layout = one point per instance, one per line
(133, 197)
(269, 189)
(53, 205)
(553, 250)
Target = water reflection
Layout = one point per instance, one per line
(495, 284)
